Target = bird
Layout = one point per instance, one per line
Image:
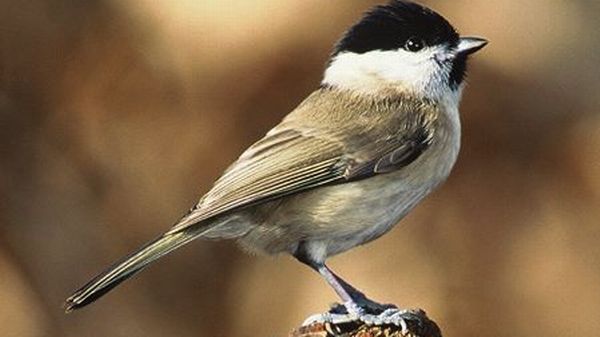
(380, 132)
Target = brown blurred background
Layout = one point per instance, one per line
(115, 116)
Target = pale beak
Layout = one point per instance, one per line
(469, 45)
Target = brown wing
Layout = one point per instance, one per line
(289, 161)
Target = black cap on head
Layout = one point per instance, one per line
(389, 27)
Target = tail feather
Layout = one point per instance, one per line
(126, 268)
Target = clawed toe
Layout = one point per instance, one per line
(393, 316)
(372, 315)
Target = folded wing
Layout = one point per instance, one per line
(290, 160)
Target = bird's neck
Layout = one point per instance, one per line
(377, 77)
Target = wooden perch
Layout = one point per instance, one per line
(418, 324)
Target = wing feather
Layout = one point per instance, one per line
(291, 160)
(263, 175)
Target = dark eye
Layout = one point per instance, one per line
(414, 44)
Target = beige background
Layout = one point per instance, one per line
(115, 116)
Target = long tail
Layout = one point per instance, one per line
(127, 267)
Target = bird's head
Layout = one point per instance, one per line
(402, 46)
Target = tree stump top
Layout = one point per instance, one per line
(419, 325)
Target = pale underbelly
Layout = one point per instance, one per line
(334, 218)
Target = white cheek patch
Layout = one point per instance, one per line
(413, 71)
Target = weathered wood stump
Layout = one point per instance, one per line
(417, 324)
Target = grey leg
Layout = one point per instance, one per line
(350, 294)
(356, 304)
(354, 300)
(343, 289)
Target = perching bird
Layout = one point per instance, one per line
(378, 135)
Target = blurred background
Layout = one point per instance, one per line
(115, 117)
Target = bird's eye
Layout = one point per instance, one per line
(414, 44)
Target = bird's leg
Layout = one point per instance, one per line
(348, 293)
(354, 300)
(356, 304)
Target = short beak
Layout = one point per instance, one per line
(469, 45)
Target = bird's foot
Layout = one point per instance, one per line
(367, 306)
(393, 316)
(381, 314)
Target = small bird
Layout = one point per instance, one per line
(378, 135)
